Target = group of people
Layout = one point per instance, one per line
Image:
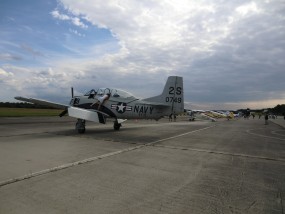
(265, 113)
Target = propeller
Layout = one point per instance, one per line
(63, 113)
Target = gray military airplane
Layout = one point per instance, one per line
(97, 105)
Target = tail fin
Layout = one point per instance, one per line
(172, 95)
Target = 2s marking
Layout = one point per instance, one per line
(173, 91)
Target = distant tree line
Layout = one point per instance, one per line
(24, 105)
(277, 110)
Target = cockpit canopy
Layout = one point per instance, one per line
(117, 93)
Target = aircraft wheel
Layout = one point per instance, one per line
(80, 126)
(117, 126)
(81, 131)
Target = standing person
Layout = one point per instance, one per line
(170, 117)
(266, 118)
(284, 115)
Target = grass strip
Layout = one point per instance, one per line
(28, 112)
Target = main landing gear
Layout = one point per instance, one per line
(80, 126)
(117, 125)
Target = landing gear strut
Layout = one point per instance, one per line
(117, 125)
(80, 126)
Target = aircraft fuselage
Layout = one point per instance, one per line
(123, 109)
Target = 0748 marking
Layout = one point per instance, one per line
(173, 99)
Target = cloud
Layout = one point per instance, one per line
(248, 8)
(5, 74)
(75, 20)
(30, 50)
(45, 83)
(8, 56)
(59, 16)
(7, 82)
(76, 33)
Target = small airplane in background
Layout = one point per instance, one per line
(97, 105)
(210, 114)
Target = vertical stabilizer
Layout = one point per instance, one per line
(172, 95)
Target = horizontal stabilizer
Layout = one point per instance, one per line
(121, 120)
(155, 104)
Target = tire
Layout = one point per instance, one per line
(81, 131)
(117, 126)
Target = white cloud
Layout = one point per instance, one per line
(5, 74)
(59, 16)
(75, 20)
(249, 8)
(8, 56)
(76, 33)
(8, 81)
(149, 27)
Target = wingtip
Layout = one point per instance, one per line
(21, 98)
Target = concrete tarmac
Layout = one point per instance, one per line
(235, 166)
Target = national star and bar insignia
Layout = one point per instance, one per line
(121, 107)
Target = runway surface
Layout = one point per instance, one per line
(147, 167)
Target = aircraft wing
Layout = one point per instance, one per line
(42, 102)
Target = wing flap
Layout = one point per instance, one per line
(87, 114)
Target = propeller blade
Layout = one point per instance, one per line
(72, 94)
(63, 113)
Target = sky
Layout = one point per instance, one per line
(231, 54)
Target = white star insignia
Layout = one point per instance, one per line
(121, 107)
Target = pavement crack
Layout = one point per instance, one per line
(280, 197)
